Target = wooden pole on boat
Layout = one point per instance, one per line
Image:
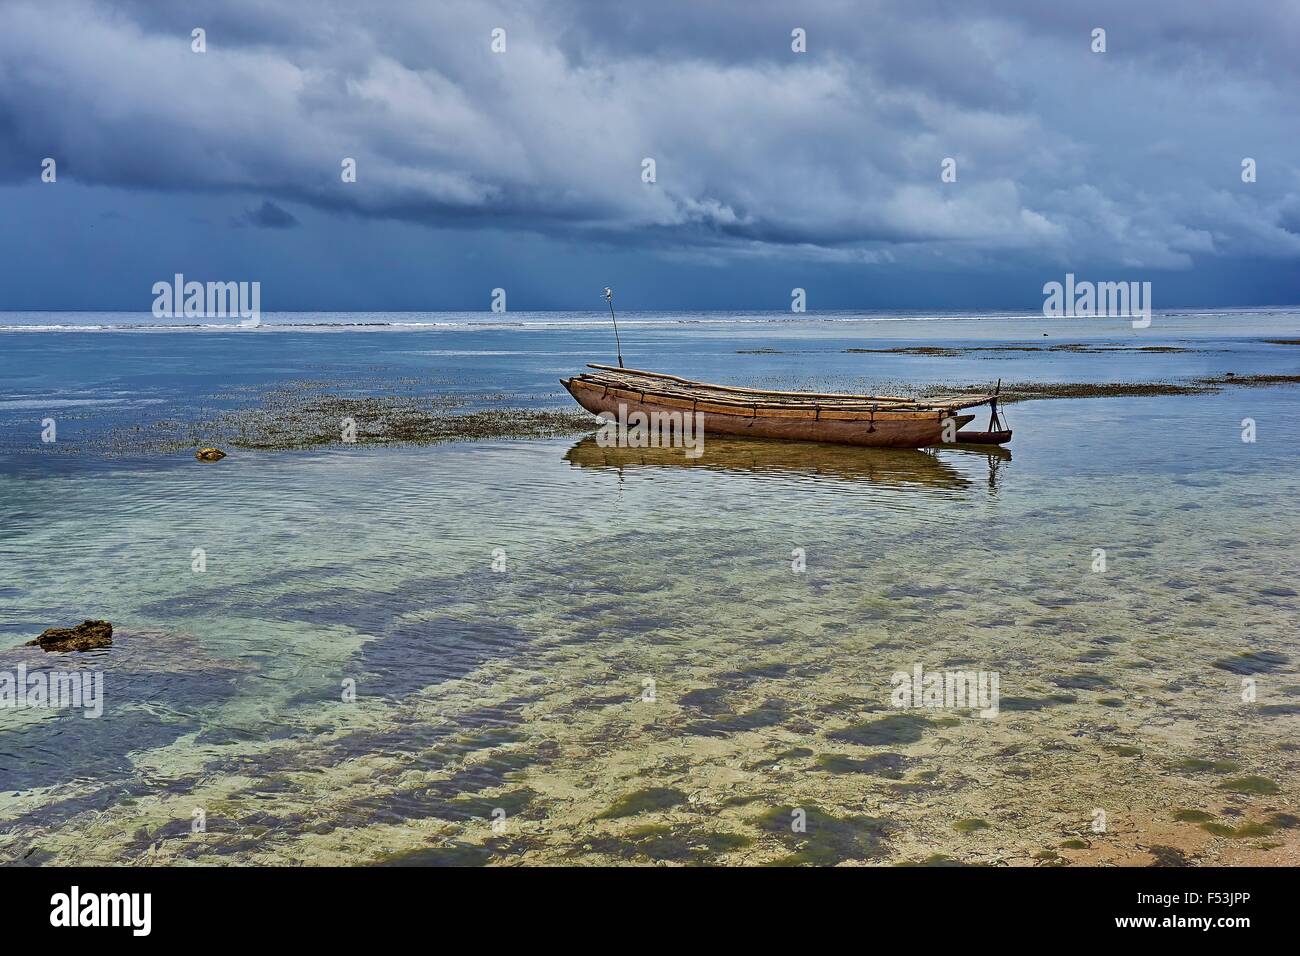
(609, 297)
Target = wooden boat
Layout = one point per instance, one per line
(883, 420)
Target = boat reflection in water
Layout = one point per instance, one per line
(896, 467)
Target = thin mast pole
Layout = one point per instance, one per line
(618, 344)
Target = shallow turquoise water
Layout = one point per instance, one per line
(523, 689)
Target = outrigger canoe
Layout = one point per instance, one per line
(883, 420)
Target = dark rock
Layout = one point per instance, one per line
(209, 454)
(84, 637)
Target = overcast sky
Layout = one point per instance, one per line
(523, 169)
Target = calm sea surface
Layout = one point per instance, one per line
(647, 678)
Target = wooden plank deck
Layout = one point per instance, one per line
(735, 397)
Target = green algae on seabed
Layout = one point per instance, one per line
(1124, 750)
(449, 854)
(1029, 391)
(1167, 856)
(1253, 662)
(1193, 816)
(307, 415)
(658, 842)
(477, 806)
(770, 713)
(894, 729)
(793, 753)
(644, 801)
(1276, 710)
(934, 859)
(1086, 680)
(971, 825)
(1255, 785)
(887, 765)
(709, 700)
(1198, 765)
(1035, 703)
(1250, 380)
(1240, 832)
(826, 839)
(1277, 821)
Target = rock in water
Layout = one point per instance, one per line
(83, 637)
(209, 454)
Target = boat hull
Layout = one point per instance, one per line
(984, 438)
(885, 429)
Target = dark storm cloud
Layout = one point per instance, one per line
(268, 216)
(1130, 158)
